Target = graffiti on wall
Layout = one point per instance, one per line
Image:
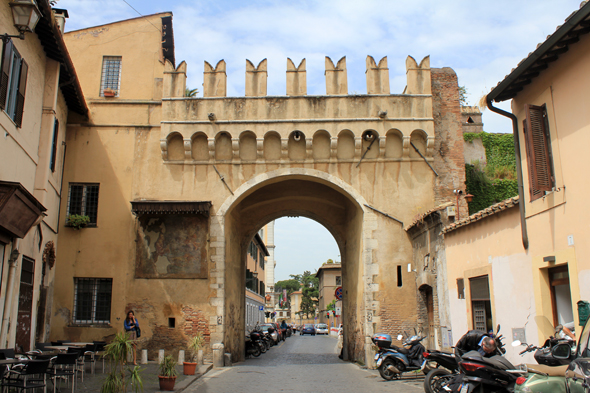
(171, 246)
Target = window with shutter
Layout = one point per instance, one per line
(13, 83)
(538, 150)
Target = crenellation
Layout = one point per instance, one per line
(256, 79)
(377, 76)
(296, 78)
(336, 77)
(215, 80)
(418, 76)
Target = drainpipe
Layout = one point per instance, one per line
(12, 262)
(525, 238)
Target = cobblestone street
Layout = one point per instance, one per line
(301, 364)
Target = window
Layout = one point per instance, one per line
(111, 76)
(481, 305)
(83, 200)
(54, 146)
(460, 289)
(338, 280)
(92, 300)
(399, 276)
(13, 83)
(538, 150)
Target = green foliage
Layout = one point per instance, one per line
(463, 95)
(291, 286)
(497, 181)
(168, 367)
(486, 192)
(77, 221)
(116, 353)
(310, 290)
(190, 92)
(331, 306)
(194, 344)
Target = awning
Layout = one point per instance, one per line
(170, 207)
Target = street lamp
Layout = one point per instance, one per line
(25, 15)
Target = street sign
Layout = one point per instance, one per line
(338, 311)
(261, 308)
(338, 293)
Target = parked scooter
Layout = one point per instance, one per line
(392, 361)
(253, 342)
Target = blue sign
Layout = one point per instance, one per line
(261, 308)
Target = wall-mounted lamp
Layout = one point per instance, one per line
(550, 258)
(25, 15)
(368, 136)
(297, 136)
(468, 198)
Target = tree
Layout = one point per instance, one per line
(191, 92)
(463, 95)
(290, 285)
(331, 306)
(310, 289)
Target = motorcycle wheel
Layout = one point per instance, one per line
(262, 347)
(384, 371)
(255, 351)
(432, 383)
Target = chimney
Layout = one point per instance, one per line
(60, 16)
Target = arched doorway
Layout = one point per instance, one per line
(292, 192)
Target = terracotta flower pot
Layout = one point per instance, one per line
(167, 383)
(189, 368)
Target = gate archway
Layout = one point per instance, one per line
(292, 192)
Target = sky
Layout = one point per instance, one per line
(481, 40)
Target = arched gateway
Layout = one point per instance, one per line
(182, 184)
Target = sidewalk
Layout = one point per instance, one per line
(149, 374)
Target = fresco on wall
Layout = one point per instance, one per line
(171, 246)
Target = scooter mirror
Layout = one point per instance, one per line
(497, 328)
(516, 343)
(399, 337)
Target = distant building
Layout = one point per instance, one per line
(255, 287)
(330, 276)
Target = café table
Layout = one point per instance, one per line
(60, 348)
(73, 344)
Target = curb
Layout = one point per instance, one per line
(189, 380)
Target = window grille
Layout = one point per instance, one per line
(111, 75)
(92, 300)
(83, 200)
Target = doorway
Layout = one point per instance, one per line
(561, 298)
(25, 305)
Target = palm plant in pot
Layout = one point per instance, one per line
(116, 353)
(194, 347)
(168, 374)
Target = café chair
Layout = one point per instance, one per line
(30, 376)
(79, 360)
(63, 366)
(90, 356)
(99, 351)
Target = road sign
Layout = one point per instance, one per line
(338, 293)
(338, 311)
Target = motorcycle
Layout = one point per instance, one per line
(392, 361)
(253, 344)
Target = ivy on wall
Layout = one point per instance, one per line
(497, 180)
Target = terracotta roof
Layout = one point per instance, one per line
(420, 217)
(496, 208)
(577, 24)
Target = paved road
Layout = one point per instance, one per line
(301, 364)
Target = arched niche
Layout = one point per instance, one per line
(296, 145)
(345, 147)
(321, 145)
(272, 146)
(199, 147)
(223, 150)
(175, 147)
(394, 144)
(418, 138)
(370, 138)
(247, 146)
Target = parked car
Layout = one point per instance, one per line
(274, 334)
(322, 328)
(308, 328)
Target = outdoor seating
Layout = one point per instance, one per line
(90, 356)
(99, 351)
(64, 366)
(30, 376)
(8, 353)
(41, 346)
(79, 360)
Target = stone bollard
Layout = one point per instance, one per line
(200, 357)
(227, 360)
(144, 356)
(369, 354)
(160, 355)
(218, 354)
(180, 357)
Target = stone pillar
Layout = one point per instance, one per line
(174, 83)
(336, 78)
(256, 79)
(160, 355)
(180, 357)
(144, 357)
(418, 76)
(377, 76)
(296, 79)
(218, 355)
(215, 80)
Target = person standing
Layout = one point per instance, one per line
(130, 325)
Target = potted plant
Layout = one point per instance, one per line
(109, 93)
(168, 374)
(77, 221)
(194, 347)
(116, 353)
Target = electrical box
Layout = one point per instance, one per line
(451, 211)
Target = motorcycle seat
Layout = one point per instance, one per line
(555, 371)
(400, 350)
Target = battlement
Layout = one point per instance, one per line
(377, 75)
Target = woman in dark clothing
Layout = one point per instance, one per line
(130, 324)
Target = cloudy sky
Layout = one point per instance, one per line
(481, 40)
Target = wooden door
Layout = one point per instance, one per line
(25, 305)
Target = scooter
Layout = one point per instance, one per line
(252, 345)
(392, 361)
